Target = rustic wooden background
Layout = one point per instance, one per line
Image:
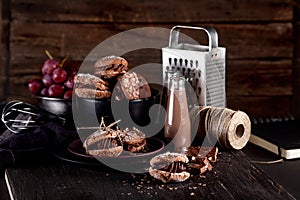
(263, 50)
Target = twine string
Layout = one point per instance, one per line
(220, 125)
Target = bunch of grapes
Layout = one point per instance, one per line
(57, 80)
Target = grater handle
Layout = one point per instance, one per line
(211, 32)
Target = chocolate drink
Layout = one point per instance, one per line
(177, 123)
(170, 74)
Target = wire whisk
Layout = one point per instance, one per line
(18, 116)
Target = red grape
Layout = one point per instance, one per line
(69, 82)
(68, 94)
(47, 80)
(35, 86)
(71, 70)
(44, 92)
(57, 80)
(55, 90)
(59, 75)
(49, 65)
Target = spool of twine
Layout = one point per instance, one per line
(230, 129)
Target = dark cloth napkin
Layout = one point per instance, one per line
(14, 147)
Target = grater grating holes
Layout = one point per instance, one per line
(186, 62)
(180, 61)
(175, 61)
(191, 63)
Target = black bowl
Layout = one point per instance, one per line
(57, 106)
(88, 112)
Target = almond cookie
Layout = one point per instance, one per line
(134, 86)
(111, 66)
(169, 167)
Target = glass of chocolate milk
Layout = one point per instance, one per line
(177, 126)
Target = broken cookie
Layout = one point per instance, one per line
(169, 167)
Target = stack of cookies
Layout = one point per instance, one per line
(133, 140)
(110, 73)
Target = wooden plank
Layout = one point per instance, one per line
(4, 46)
(296, 65)
(28, 47)
(233, 176)
(241, 41)
(257, 41)
(259, 77)
(261, 106)
(2, 88)
(131, 11)
(80, 25)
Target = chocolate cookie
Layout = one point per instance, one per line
(90, 81)
(134, 86)
(200, 157)
(200, 152)
(90, 86)
(111, 66)
(169, 167)
(92, 93)
(104, 143)
(133, 140)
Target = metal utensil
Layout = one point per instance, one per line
(18, 116)
(208, 63)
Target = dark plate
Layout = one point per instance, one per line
(64, 154)
(128, 162)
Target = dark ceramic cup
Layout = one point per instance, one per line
(88, 112)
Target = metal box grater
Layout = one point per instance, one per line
(202, 66)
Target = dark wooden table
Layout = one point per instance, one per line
(234, 176)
